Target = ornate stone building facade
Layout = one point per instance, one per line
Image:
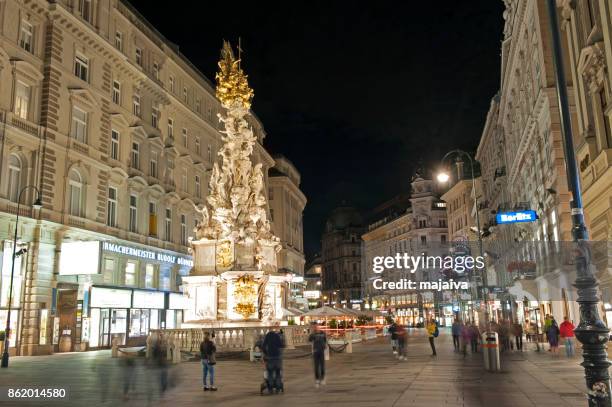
(421, 229)
(287, 203)
(119, 132)
(341, 275)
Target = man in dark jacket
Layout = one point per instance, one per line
(272, 349)
(319, 344)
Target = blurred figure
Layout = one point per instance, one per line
(456, 331)
(504, 335)
(160, 357)
(207, 356)
(393, 332)
(432, 331)
(553, 336)
(474, 337)
(466, 337)
(547, 324)
(319, 344)
(272, 353)
(402, 338)
(104, 378)
(129, 364)
(517, 330)
(566, 330)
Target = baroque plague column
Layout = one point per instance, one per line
(234, 280)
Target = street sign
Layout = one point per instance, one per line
(516, 217)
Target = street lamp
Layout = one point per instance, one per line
(591, 330)
(36, 205)
(443, 177)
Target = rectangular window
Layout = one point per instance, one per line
(138, 56)
(22, 99)
(270, 194)
(155, 70)
(150, 276)
(81, 67)
(197, 145)
(136, 104)
(171, 83)
(184, 179)
(423, 240)
(155, 117)
(85, 10)
(25, 36)
(170, 127)
(152, 219)
(198, 192)
(209, 154)
(164, 279)
(198, 105)
(111, 215)
(131, 275)
(133, 214)
(183, 230)
(75, 197)
(119, 40)
(79, 125)
(153, 164)
(168, 225)
(185, 94)
(116, 93)
(136, 155)
(184, 137)
(443, 238)
(114, 144)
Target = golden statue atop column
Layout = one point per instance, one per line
(235, 277)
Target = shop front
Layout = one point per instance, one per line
(129, 314)
(5, 284)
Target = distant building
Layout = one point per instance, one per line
(313, 285)
(287, 204)
(341, 257)
(420, 229)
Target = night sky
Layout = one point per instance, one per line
(356, 94)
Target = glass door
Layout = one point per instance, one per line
(105, 328)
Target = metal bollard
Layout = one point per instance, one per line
(490, 350)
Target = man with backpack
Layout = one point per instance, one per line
(207, 355)
(272, 353)
(319, 344)
(433, 332)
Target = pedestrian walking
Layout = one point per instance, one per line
(433, 332)
(547, 322)
(553, 336)
(466, 338)
(393, 332)
(566, 330)
(160, 356)
(208, 358)
(456, 332)
(517, 331)
(273, 353)
(475, 337)
(402, 338)
(319, 344)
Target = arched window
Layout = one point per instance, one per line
(14, 177)
(75, 193)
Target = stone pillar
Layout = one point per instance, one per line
(37, 295)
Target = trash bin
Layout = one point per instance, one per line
(490, 350)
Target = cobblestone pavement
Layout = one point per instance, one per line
(370, 376)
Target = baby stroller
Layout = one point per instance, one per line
(280, 388)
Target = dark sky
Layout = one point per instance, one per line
(354, 93)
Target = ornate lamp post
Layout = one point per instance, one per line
(591, 331)
(36, 205)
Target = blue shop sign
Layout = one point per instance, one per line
(515, 217)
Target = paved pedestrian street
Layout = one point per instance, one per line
(370, 376)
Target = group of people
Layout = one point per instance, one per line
(399, 338)
(563, 333)
(271, 347)
(464, 334)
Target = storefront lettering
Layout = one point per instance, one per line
(146, 254)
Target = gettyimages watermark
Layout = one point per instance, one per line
(524, 270)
